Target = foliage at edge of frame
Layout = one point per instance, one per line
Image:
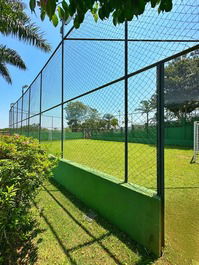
(24, 166)
(120, 10)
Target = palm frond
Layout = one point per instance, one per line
(5, 73)
(15, 22)
(11, 56)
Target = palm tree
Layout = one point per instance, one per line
(145, 108)
(108, 117)
(15, 22)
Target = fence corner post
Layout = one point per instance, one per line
(160, 146)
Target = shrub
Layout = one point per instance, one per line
(24, 165)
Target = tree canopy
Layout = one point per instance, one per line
(181, 88)
(181, 85)
(75, 113)
(120, 10)
(80, 116)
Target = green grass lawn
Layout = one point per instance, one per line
(71, 236)
(182, 200)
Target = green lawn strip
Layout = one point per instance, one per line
(181, 179)
(108, 157)
(72, 238)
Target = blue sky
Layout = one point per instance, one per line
(91, 64)
(34, 59)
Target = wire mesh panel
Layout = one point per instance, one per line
(99, 63)
(25, 104)
(101, 29)
(149, 53)
(51, 81)
(50, 134)
(19, 110)
(196, 141)
(181, 23)
(92, 132)
(162, 35)
(13, 128)
(142, 131)
(10, 117)
(181, 173)
(35, 96)
(181, 111)
(15, 113)
(24, 129)
(34, 127)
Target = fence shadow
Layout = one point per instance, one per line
(145, 258)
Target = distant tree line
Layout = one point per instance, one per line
(81, 117)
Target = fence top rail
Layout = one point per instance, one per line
(132, 40)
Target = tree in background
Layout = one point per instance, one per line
(145, 108)
(181, 86)
(108, 117)
(75, 114)
(80, 116)
(114, 122)
(120, 10)
(15, 22)
(91, 122)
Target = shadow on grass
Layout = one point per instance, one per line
(181, 188)
(56, 235)
(145, 257)
(23, 252)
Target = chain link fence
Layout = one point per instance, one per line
(99, 100)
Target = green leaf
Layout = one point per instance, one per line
(32, 4)
(76, 22)
(61, 13)
(101, 14)
(95, 16)
(50, 8)
(154, 3)
(168, 6)
(43, 14)
(55, 20)
(65, 5)
(72, 7)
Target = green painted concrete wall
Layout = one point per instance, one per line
(181, 135)
(133, 209)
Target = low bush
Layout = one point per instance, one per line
(24, 165)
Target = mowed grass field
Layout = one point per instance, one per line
(182, 191)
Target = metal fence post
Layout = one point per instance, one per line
(126, 101)
(17, 118)
(62, 95)
(10, 120)
(160, 146)
(40, 109)
(29, 111)
(22, 111)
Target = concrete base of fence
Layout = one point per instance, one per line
(133, 209)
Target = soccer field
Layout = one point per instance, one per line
(108, 157)
(181, 183)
